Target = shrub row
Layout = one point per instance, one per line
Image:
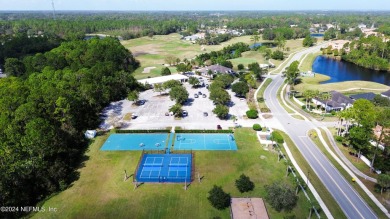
(143, 131)
(204, 131)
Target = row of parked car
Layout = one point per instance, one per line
(200, 94)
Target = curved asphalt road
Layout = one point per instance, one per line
(348, 199)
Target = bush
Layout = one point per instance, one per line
(204, 131)
(339, 138)
(252, 114)
(276, 136)
(244, 184)
(257, 127)
(143, 131)
(281, 197)
(260, 99)
(218, 198)
(303, 107)
(278, 55)
(265, 110)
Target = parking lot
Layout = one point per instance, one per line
(152, 114)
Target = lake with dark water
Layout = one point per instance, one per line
(344, 71)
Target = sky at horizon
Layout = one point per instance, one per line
(203, 5)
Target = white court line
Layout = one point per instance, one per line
(229, 139)
(204, 141)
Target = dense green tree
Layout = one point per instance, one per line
(14, 67)
(219, 96)
(381, 101)
(165, 71)
(330, 34)
(278, 55)
(226, 79)
(281, 197)
(171, 84)
(244, 184)
(218, 198)
(240, 88)
(292, 73)
(227, 64)
(308, 41)
(221, 111)
(240, 67)
(176, 110)
(194, 81)
(183, 67)
(384, 181)
(179, 94)
(133, 95)
(43, 115)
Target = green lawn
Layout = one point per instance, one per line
(151, 52)
(313, 84)
(100, 192)
(307, 62)
(261, 92)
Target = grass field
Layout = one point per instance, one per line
(261, 93)
(151, 52)
(307, 62)
(313, 84)
(101, 192)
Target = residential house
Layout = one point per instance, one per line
(386, 94)
(368, 96)
(215, 69)
(338, 102)
(362, 26)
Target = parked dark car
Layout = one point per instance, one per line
(196, 95)
(200, 93)
(184, 113)
(219, 127)
(204, 96)
(205, 114)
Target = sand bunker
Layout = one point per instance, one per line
(147, 70)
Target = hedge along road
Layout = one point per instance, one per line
(348, 199)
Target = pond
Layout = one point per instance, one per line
(345, 71)
(317, 35)
(267, 44)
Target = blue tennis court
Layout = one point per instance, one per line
(174, 168)
(203, 141)
(153, 141)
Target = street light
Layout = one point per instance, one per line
(307, 181)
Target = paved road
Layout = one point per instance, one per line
(347, 198)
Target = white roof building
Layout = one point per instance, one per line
(162, 79)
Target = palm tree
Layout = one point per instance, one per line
(384, 122)
(255, 37)
(326, 97)
(307, 94)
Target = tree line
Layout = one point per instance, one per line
(44, 112)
